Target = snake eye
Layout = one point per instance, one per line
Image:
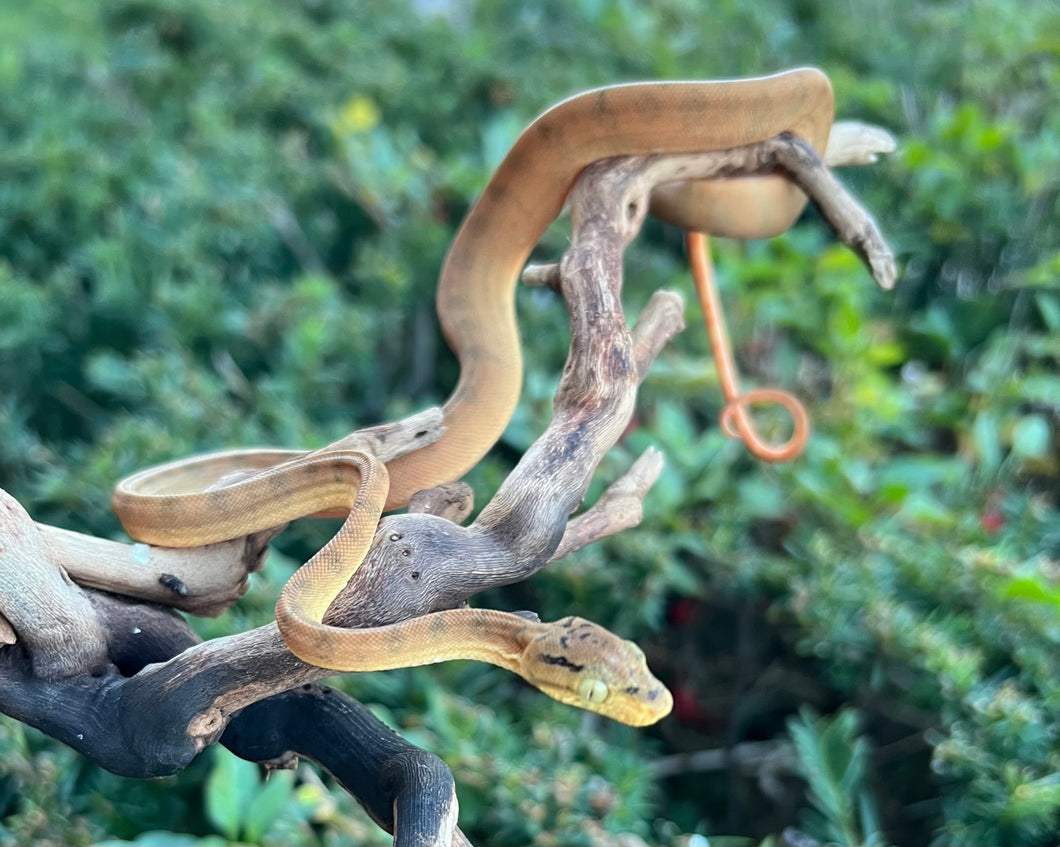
(592, 690)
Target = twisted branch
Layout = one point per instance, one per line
(96, 691)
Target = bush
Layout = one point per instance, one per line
(221, 224)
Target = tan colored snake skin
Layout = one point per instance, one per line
(573, 660)
(169, 506)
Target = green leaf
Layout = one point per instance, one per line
(987, 435)
(833, 759)
(1031, 436)
(1025, 588)
(1049, 308)
(229, 790)
(1040, 388)
(161, 838)
(268, 804)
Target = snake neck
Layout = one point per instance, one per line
(483, 635)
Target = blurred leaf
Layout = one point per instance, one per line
(1031, 435)
(1024, 588)
(230, 790)
(832, 758)
(222, 224)
(267, 804)
(988, 441)
(1040, 388)
(157, 838)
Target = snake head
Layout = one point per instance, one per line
(582, 664)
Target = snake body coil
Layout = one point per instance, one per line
(572, 660)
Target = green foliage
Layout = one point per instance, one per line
(52, 796)
(566, 786)
(34, 771)
(833, 758)
(221, 223)
(280, 808)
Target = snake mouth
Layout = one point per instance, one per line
(645, 707)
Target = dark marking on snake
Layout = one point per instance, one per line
(561, 661)
(633, 689)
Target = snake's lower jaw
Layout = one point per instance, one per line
(648, 706)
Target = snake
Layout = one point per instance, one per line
(573, 661)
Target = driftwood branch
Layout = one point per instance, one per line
(97, 692)
(207, 580)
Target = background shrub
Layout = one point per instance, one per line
(221, 223)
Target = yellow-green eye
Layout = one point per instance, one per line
(592, 690)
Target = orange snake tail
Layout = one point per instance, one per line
(735, 420)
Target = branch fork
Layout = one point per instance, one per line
(125, 681)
